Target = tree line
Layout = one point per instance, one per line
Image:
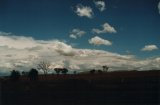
(45, 67)
(33, 73)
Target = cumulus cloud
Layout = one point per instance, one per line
(76, 33)
(159, 7)
(100, 5)
(106, 28)
(63, 49)
(149, 48)
(22, 57)
(99, 41)
(84, 11)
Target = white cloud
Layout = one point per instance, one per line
(84, 11)
(159, 7)
(22, 57)
(99, 41)
(149, 48)
(100, 5)
(107, 28)
(16, 42)
(63, 49)
(77, 33)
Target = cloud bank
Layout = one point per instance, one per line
(22, 53)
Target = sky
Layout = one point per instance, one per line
(80, 34)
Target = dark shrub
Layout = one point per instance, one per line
(92, 71)
(100, 71)
(15, 75)
(64, 71)
(33, 74)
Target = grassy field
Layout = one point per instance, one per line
(112, 88)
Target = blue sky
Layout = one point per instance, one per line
(133, 24)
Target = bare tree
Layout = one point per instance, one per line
(105, 68)
(44, 65)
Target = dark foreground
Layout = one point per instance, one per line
(117, 88)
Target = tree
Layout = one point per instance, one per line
(100, 71)
(57, 70)
(74, 72)
(92, 71)
(15, 75)
(33, 74)
(64, 71)
(105, 68)
(24, 73)
(44, 65)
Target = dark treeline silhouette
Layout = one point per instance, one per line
(61, 70)
(33, 74)
(15, 75)
(24, 73)
(100, 71)
(95, 71)
(104, 69)
(92, 71)
(57, 70)
(45, 66)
